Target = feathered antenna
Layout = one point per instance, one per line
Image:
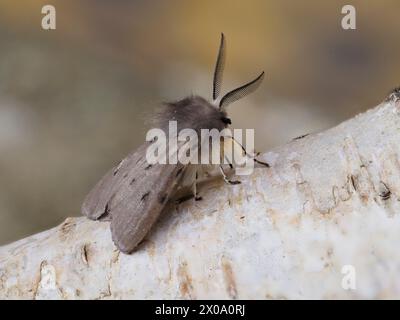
(236, 94)
(219, 68)
(241, 92)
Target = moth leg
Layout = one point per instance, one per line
(226, 178)
(230, 164)
(250, 156)
(194, 188)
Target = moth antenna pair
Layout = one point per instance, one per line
(237, 93)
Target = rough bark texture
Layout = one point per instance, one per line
(330, 199)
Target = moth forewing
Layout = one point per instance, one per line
(136, 207)
(98, 202)
(139, 207)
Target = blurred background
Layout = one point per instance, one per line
(73, 101)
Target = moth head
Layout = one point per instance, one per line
(196, 112)
(193, 112)
(235, 94)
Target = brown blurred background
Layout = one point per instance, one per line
(73, 100)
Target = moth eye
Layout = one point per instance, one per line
(226, 120)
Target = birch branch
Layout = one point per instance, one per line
(324, 218)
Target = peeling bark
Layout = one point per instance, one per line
(329, 200)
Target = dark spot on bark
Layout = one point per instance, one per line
(125, 175)
(148, 167)
(67, 226)
(385, 193)
(301, 137)
(229, 278)
(85, 254)
(132, 181)
(185, 281)
(353, 180)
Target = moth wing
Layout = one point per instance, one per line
(97, 203)
(136, 207)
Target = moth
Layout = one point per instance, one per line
(133, 194)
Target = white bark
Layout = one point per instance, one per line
(329, 200)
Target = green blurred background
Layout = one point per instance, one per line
(73, 101)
